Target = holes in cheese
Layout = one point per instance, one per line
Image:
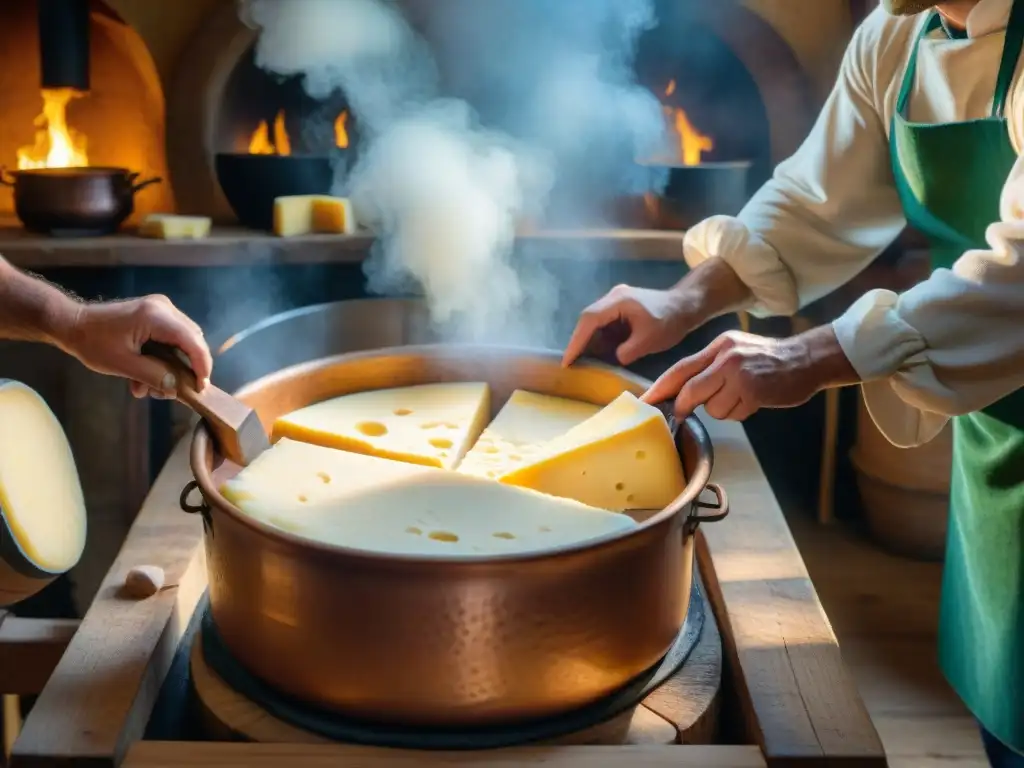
(40, 492)
(394, 507)
(622, 457)
(522, 426)
(369, 422)
(313, 214)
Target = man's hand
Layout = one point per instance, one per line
(107, 337)
(739, 373)
(629, 323)
(635, 321)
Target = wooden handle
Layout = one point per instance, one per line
(236, 427)
(177, 363)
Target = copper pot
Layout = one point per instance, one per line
(74, 201)
(440, 641)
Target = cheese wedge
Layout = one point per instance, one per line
(166, 226)
(364, 502)
(432, 424)
(621, 458)
(40, 492)
(524, 424)
(313, 214)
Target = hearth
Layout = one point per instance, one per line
(736, 101)
(83, 93)
(232, 700)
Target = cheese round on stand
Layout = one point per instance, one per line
(363, 502)
(431, 424)
(41, 500)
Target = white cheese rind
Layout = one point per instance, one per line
(363, 502)
(40, 491)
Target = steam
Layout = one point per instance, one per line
(490, 115)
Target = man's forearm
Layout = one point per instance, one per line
(712, 289)
(825, 356)
(33, 310)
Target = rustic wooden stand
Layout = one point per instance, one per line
(786, 697)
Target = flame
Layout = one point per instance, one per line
(56, 145)
(261, 143)
(692, 143)
(341, 131)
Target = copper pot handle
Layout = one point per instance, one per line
(142, 184)
(3, 177)
(202, 508)
(717, 510)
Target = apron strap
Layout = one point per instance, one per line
(1012, 48)
(934, 22)
(1011, 55)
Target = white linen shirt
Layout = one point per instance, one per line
(952, 344)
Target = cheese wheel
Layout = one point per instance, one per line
(524, 424)
(430, 424)
(622, 457)
(313, 214)
(167, 226)
(41, 498)
(363, 502)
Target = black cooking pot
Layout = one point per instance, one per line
(252, 182)
(693, 193)
(74, 201)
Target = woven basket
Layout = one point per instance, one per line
(904, 491)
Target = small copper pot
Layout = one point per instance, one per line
(74, 201)
(437, 641)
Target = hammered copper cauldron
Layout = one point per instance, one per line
(448, 642)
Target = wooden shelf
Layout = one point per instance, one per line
(235, 246)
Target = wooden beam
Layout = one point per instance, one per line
(802, 705)
(228, 755)
(30, 650)
(102, 692)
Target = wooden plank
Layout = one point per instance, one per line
(30, 650)
(227, 755)
(691, 701)
(802, 705)
(101, 694)
(235, 246)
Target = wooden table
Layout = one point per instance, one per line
(788, 697)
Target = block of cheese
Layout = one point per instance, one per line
(166, 226)
(313, 214)
(431, 424)
(364, 502)
(40, 493)
(623, 457)
(523, 425)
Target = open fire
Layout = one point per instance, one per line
(274, 141)
(57, 145)
(692, 144)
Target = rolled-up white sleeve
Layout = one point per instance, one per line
(951, 345)
(829, 210)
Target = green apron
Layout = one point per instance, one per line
(950, 178)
